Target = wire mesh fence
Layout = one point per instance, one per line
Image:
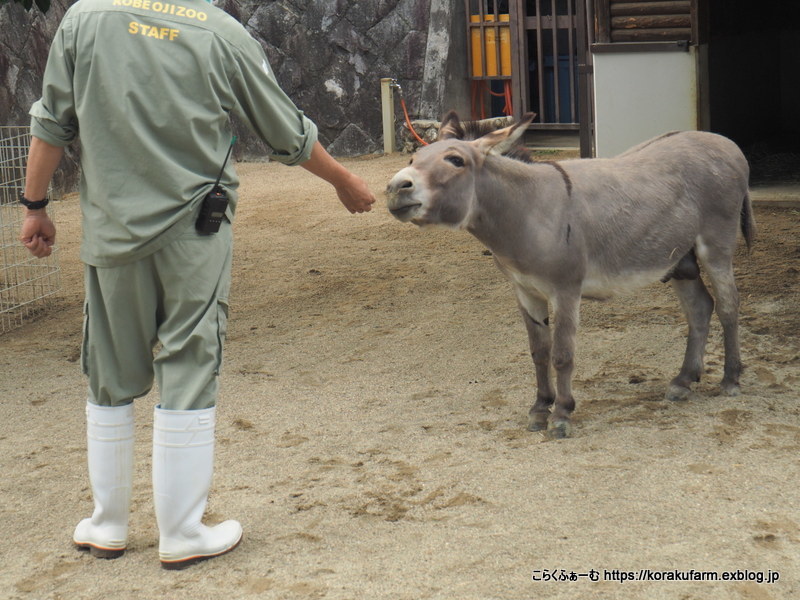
(27, 284)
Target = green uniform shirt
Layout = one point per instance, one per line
(149, 86)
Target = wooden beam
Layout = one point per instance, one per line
(701, 26)
(672, 7)
(651, 35)
(603, 19)
(651, 22)
(630, 47)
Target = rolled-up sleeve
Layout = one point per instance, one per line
(53, 116)
(269, 111)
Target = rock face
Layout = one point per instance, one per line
(24, 41)
(329, 56)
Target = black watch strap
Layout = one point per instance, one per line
(33, 205)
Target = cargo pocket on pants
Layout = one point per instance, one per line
(222, 330)
(85, 341)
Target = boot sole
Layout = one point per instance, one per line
(99, 552)
(177, 565)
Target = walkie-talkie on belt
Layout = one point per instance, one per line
(215, 203)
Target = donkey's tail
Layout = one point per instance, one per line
(747, 221)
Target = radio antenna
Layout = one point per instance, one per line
(225, 162)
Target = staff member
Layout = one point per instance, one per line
(149, 87)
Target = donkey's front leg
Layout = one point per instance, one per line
(535, 315)
(566, 314)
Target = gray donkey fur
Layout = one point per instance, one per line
(590, 228)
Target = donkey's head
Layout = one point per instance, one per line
(438, 186)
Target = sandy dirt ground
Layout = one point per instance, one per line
(372, 437)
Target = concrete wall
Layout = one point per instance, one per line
(639, 95)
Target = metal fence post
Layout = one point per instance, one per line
(387, 111)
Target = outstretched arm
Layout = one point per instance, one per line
(351, 189)
(38, 234)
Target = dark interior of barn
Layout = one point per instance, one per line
(754, 82)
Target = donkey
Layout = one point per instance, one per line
(589, 228)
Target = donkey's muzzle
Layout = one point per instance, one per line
(401, 195)
(404, 212)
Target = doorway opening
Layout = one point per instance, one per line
(754, 83)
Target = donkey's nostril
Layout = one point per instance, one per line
(403, 184)
(403, 181)
(398, 185)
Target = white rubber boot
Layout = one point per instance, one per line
(183, 463)
(109, 433)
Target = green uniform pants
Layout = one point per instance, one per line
(164, 316)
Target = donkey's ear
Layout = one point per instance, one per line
(504, 139)
(451, 127)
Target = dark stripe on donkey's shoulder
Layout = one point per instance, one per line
(564, 174)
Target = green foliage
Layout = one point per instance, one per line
(43, 5)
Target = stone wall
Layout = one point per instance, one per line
(24, 41)
(329, 56)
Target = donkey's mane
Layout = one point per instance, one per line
(472, 130)
(477, 129)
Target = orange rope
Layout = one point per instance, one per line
(408, 123)
(479, 87)
(508, 109)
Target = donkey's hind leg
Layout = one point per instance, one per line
(534, 312)
(697, 306)
(720, 274)
(566, 315)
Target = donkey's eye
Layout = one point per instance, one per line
(455, 160)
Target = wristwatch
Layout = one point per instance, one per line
(30, 205)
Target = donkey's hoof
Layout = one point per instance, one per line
(559, 430)
(677, 393)
(730, 389)
(537, 422)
